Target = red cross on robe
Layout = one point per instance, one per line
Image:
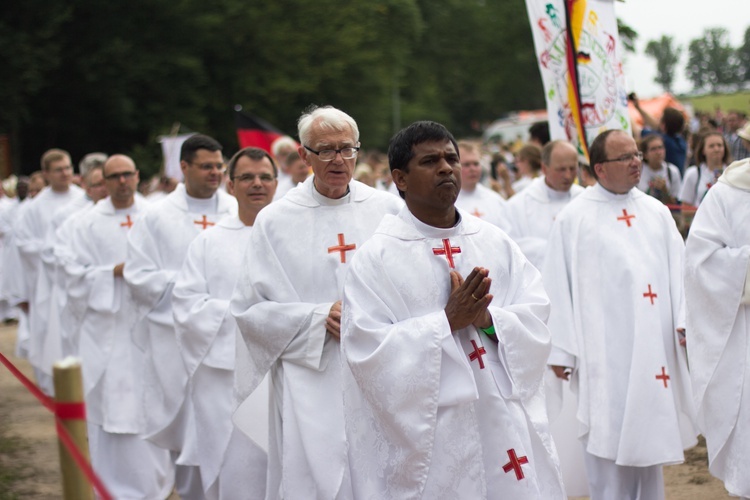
(448, 251)
(626, 217)
(477, 213)
(128, 222)
(515, 464)
(477, 354)
(663, 377)
(203, 222)
(342, 248)
(650, 295)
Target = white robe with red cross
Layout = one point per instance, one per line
(717, 291)
(157, 246)
(613, 271)
(206, 334)
(432, 413)
(531, 214)
(293, 272)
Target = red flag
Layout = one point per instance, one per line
(253, 131)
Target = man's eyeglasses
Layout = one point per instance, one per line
(117, 175)
(330, 154)
(625, 158)
(207, 167)
(264, 178)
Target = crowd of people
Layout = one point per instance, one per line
(323, 322)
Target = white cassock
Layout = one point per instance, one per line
(157, 246)
(486, 204)
(284, 186)
(432, 413)
(613, 271)
(531, 214)
(61, 339)
(230, 463)
(130, 466)
(8, 207)
(13, 282)
(717, 292)
(31, 236)
(293, 272)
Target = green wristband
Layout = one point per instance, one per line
(490, 330)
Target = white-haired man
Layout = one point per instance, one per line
(288, 306)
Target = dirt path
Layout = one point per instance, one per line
(29, 466)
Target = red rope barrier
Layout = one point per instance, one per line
(62, 411)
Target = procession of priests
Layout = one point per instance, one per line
(267, 333)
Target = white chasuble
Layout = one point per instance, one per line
(432, 413)
(613, 271)
(206, 334)
(104, 311)
(157, 246)
(31, 236)
(531, 214)
(294, 269)
(717, 292)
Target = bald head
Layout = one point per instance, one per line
(121, 178)
(560, 165)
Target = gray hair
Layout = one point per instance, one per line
(327, 118)
(90, 161)
(283, 142)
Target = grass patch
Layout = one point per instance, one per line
(738, 100)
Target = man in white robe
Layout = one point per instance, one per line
(231, 464)
(288, 302)
(60, 338)
(130, 466)
(474, 198)
(532, 212)
(717, 293)
(443, 375)
(157, 246)
(613, 271)
(13, 282)
(30, 238)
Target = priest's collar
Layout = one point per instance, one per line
(432, 231)
(324, 200)
(609, 195)
(554, 195)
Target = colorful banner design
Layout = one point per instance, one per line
(579, 55)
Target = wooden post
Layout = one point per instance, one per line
(69, 389)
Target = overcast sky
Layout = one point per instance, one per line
(684, 20)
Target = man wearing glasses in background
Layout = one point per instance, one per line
(157, 246)
(613, 272)
(231, 465)
(288, 307)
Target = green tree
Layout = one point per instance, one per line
(711, 60)
(667, 56)
(743, 57)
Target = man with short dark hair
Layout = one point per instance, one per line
(231, 465)
(157, 246)
(288, 307)
(613, 271)
(445, 345)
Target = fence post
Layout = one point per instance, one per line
(69, 394)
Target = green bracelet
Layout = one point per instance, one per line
(490, 330)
